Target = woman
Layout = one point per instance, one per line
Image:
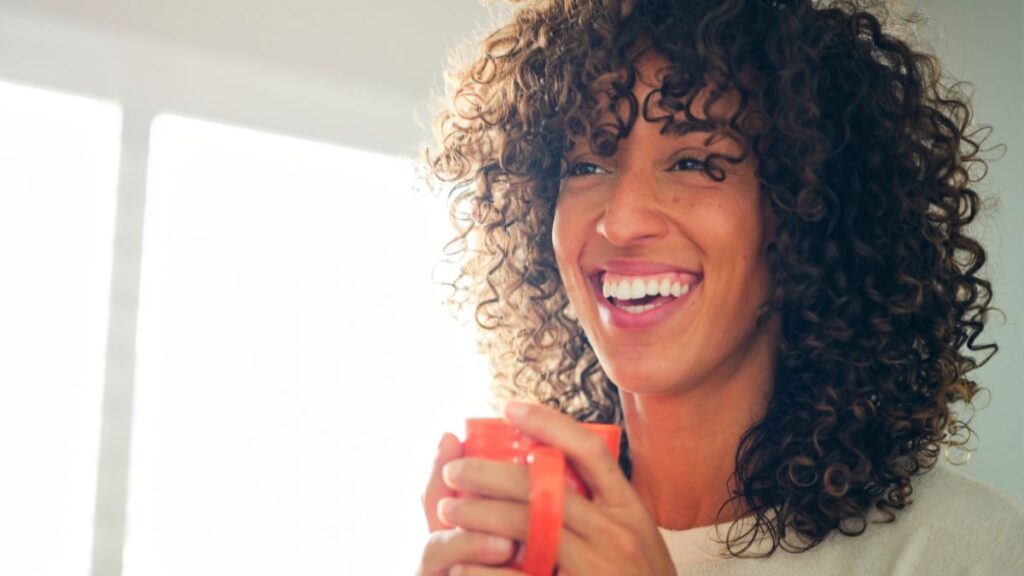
(738, 229)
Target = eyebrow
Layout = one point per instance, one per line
(686, 127)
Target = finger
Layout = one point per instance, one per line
(618, 547)
(470, 570)
(447, 548)
(491, 478)
(583, 517)
(501, 517)
(585, 450)
(448, 450)
(576, 556)
(583, 520)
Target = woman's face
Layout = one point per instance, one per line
(664, 265)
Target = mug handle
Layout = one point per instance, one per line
(547, 501)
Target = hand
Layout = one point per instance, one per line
(449, 546)
(611, 535)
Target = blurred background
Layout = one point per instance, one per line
(223, 348)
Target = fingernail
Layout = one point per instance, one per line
(444, 509)
(499, 545)
(456, 570)
(452, 470)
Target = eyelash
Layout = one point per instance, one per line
(695, 165)
(574, 170)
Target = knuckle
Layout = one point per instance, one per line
(488, 548)
(628, 545)
(478, 545)
(448, 547)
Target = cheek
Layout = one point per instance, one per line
(568, 237)
(733, 238)
(739, 225)
(565, 239)
(558, 240)
(751, 241)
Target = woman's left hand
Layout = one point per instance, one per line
(612, 534)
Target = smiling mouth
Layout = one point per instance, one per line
(637, 294)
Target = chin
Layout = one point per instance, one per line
(635, 367)
(642, 381)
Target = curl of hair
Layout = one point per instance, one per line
(867, 156)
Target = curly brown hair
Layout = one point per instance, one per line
(868, 157)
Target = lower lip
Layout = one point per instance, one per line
(621, 319)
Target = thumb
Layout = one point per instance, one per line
(449, 449)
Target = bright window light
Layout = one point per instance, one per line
(295, 365)
(58, 188)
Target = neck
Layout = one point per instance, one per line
(683, 446)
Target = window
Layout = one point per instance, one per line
(295, 369)
(57, 196)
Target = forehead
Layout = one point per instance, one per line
(664, 94)
(692, 101)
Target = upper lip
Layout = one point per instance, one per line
(640, 267)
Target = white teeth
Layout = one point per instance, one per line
(623, 293)
(637, 289)
(639, 309)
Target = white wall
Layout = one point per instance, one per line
(159, 74)
(983, 43)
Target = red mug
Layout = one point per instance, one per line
(496, 439)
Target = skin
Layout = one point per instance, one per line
(612, 534)
(690, 386)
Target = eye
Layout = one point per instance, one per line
(585, 169)
(690, 165)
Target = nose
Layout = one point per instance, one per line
(632, 214)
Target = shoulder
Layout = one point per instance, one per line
(954, 525)
(948, 494)
(950, 506)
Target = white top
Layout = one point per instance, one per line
(954, 525)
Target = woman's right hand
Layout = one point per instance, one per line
(449, 546)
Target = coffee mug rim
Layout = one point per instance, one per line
(495, 420)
